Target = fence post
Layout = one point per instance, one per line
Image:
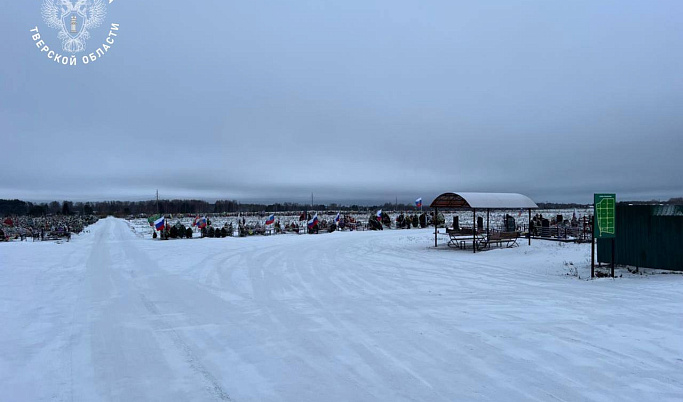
(593, 251)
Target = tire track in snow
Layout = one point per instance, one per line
(213, 385)
(162, 325)
(132, 342)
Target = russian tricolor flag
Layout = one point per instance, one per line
(336, 219)
(379, 215)
(418, 202)
(313, 221)
(160, 223)
(200, 223)
(270, 220)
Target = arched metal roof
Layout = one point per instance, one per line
(483, 201)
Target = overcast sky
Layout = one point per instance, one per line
(353, 100)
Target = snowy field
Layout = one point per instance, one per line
(362, 316)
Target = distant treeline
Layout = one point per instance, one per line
(672, 201)
(126, 208)
(555, 205)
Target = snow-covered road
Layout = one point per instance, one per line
(335, 317)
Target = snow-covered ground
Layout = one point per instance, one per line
(369, 316)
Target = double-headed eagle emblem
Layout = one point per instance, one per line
(73, 20)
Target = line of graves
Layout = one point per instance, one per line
(59, 227)
(561, 228)
(557, 227)
(216, 226)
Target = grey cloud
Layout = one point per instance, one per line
(355, 100)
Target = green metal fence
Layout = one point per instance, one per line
(648, 236)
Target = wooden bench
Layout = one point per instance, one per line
(509, 239)
(463, 238)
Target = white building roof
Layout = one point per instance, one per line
(483, 201)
